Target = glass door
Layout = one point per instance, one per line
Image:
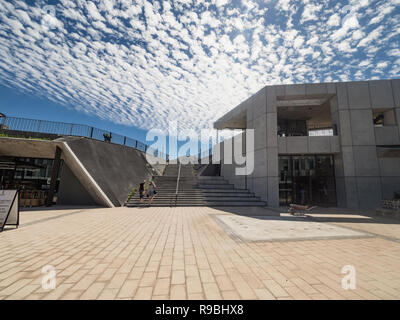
(307, 180)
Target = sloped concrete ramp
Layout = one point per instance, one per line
(107, 171)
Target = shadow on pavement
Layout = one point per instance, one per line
(330, 215)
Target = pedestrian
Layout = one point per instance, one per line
(151, 191)
(142, 190)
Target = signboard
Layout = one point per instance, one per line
(9, 208)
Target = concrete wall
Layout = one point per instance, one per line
(29, 148)
(71, 191)
(361, 173)
(309, 145)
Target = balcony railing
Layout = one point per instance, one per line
(70, 129)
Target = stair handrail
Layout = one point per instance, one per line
(177, 183)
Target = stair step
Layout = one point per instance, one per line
(212, 182)
(222, 204)
(215, 186)
(210, 178)
(196, 191)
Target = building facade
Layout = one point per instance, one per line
(329, 144)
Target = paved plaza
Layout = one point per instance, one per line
(199, 253)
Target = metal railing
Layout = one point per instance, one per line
(177, 183)
(71, 129)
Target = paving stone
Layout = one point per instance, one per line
(199, 253)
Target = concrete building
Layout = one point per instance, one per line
(334, 144)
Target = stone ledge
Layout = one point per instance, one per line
(388, 213)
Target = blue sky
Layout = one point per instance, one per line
(129, 66)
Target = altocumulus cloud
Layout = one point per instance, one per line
(145, 63)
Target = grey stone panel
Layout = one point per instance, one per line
(335, 145)
(338, 163)
(381, 94)
(238, 182)
(390, 185)
(319, 145)
(389, 117)
(250, 184)
(362, 127)
(260, 188)
(272, 130)
(280, 90)
(282, 144)
(348, 161)
(272, 162)
(271, 99)
(227, 170)
(396, 92)
(259, 103)
(334, 104)
(358, 94)
(340, 192)
(295, 90)
(369, 192)
(250, 124)
(351, 192)
(260, 163)
(390, 167)
(248, 106)
(273, 191)
(331, 88)
(342, 96)
(296, 145)
(260, 132)
(366, 161)
(388, 135)
(345, 128)
(316, 88)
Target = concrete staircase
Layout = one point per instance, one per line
(196, 190)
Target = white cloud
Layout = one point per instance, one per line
(283, 4)
(93, 12)
(310, 12)
(221, 3)
(140, 63)
(334, 20)
(371, 37)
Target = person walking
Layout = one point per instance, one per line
(151, 191)
(142, 187)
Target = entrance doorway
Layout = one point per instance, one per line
(307, 180)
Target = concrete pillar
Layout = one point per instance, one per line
(54, 176)
(272, 147)
(389, 118)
